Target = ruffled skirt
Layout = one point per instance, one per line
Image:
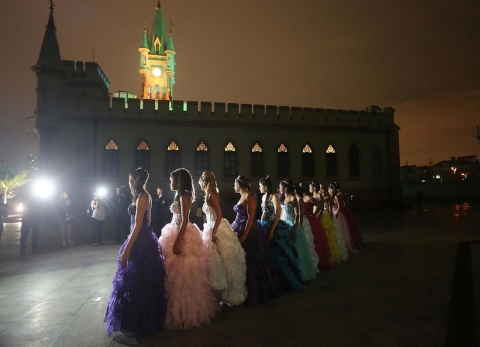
(137, 304)
(321, 244)
(190, 301)
(262, 280)
(308, 271)
(284, 253)
(309, 235)
(332, 238)
(227, 268)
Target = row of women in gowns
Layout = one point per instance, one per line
(180, 280)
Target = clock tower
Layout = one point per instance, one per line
(157, 61)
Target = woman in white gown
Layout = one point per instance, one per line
(227, 269)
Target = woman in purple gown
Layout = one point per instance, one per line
(137, 304)
(262, 281)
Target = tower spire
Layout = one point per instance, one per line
(50, 50)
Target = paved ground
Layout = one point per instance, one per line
(395, 293)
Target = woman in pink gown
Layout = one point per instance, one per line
(339, 219)
(190, 301)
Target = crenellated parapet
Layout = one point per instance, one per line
(85, 72)
(252, 113)
(192, 112)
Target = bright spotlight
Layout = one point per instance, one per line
(43, 188)
(20, 208)
(101, 192)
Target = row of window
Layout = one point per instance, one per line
(172, 160)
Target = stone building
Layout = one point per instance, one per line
(89, 136)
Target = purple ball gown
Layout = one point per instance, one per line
(137, 304)
(262, 281)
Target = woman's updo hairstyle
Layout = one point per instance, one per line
(184, 181)
(211, 185)
(267, 182)
(288, 185)
(243, 182)
(140, 178)
(334, 187)
(298, 189)
(315, 185)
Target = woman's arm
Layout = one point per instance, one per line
(276, 206)
(142, 204)
(297, 215)
(320, 207)
(185, 203)
(214, 201)
(301, 210)
(251, 208)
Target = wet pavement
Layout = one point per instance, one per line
(396, 292)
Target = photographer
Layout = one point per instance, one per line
(98, 219)
(121, 218)
(30, 221)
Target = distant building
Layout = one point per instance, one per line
(455, 177)
(88, 136)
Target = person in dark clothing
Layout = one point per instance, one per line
(121, 218)
(158, 212)
(30, 221)
(419, 200)
(3, 214)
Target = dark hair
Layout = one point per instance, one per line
(298, 189)
(287, 185)
(267, 182)
(337, 185)
(315, 185)
(306, 191)
(184, 183)
(334, 187)
(243, 182)
(140, 178)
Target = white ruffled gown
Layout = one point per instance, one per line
(227, 269)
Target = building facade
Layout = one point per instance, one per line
(89, 137)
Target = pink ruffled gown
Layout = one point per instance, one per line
(190, 301)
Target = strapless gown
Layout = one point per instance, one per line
(329, 228)
(190, 301)
(262, 280)
(342, 224)
(227, 268)
(284, 252)
(354, 231)
(319, 238)
(308, 271)
(137, 304)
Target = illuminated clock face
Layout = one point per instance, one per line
(157, 72)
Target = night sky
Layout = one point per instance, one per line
(420, 57)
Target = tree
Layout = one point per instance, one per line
(10, 179)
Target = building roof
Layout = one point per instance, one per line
(158, 31)
(50, 50)
(170, 46)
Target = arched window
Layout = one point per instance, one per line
(230, 160)
(157, 92)
(377, 161)
(201, 159)
(331, 162)
(149, 92)
(307, 161)
(283, 161)
(172, 157)
(256, 160)
(142, 156)
(353, 161)
(110, 159)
